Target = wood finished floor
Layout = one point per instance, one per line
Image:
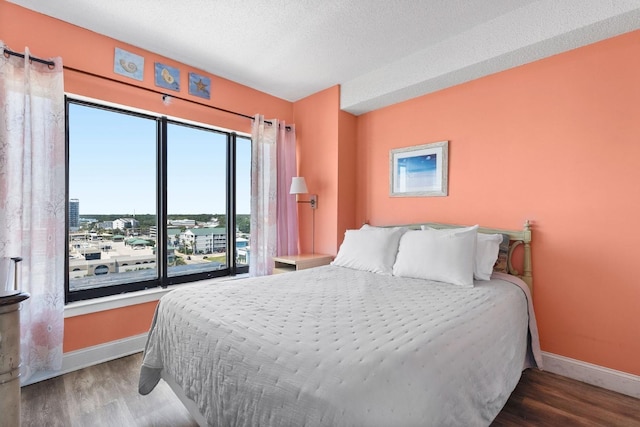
(106, 395)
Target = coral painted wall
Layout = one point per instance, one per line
(347, 137)
(91, 52)
(326, 158)
(316, 118)
(557, 142)
(108, 325)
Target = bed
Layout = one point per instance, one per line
(371, 340)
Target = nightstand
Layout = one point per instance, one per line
(283, 264)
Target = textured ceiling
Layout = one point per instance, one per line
(380, 51)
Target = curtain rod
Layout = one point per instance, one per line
(8, 53)
(88, 73)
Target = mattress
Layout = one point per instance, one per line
(342, 347)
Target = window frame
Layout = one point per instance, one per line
(163, 279)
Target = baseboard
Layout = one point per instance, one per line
(74, 360)
(600, 376)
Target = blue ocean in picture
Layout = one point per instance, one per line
(417, 173)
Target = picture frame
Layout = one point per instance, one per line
(167, 77)
(128, 64)
(419, 171)
(199, 85)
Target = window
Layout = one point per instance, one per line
(243, 200)
(152, 201)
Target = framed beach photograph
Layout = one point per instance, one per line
(419, 171)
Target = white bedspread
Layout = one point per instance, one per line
(332, 346)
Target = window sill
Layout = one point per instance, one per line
(95, 305)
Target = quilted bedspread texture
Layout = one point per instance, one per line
(332, 346)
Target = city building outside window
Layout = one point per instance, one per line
(150, 201)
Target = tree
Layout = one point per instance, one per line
(243, 222)
(221, 219)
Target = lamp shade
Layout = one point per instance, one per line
(298, 186)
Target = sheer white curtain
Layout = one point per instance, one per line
(264, 192)
(287, 206)
(271, 211)
(32, 201)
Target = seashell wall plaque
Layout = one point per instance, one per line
(128, 64)
(167, 77)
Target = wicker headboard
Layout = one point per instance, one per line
(516, 238)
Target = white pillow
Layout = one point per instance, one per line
(487, 248)
(440, 255)
(370, 249)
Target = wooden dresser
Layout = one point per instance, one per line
(10, 357)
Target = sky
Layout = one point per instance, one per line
(112, 166)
